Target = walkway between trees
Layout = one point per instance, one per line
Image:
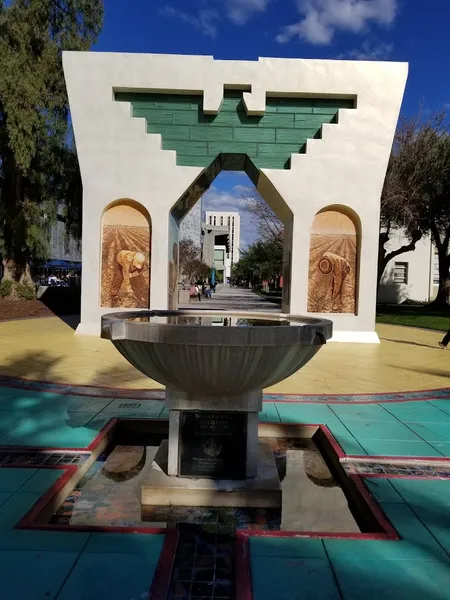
(227, 298)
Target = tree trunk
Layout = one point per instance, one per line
(19, 273)
(442, 247)
(441, 300)
(385, 257)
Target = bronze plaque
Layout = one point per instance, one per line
(213, 445)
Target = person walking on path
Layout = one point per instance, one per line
(445, 340)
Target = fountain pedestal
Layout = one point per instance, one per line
(212, 456)
(215, 436)
(214, 378)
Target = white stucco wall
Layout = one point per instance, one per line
(420, 272)
(118, 159)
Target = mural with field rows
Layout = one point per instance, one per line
(333, 263)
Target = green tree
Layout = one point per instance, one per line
(263, 260)
(38, 164)
(416, 193)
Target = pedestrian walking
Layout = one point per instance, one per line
(445, 340)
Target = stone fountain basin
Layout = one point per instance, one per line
(183, 350)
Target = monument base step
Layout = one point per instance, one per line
(262, 491)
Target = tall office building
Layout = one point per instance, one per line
(221, 239)
(231, 220)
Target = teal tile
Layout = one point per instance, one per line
(392, 580)
(41, 481)
(150, 408)
(4, 497)
(432, 432)
(382, 490)
(389, 448)
(16, 507)
(283, 547)
(82, 404)
(48, 541)
(371, 550)
(164, 414)
(125, 543)
(269, 412)
(291, 412)
(437, 520)
(350, 446)
(51, 433)
(361, 412)
(412, 530)
(442, 404)
(313, 414)
(12, 399)
(417, 412)
(110, 576)
(380, 430)
(286, 579)
(12, 479)
(34, 575)
(442, 447)
(423, 492)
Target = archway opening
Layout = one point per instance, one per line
(221, 231)
(125, 256)
(334, 261)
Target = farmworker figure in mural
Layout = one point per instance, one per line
(338, 267)
(129, 264)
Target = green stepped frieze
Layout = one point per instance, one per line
(268, 140)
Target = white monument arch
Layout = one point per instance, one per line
(153, 131)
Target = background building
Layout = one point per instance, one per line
(232, 221)
(63, 246)
(221, 239)
(412, 275)
(191, 225)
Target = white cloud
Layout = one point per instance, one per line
(368, 51)
(205, 20)
(240, 11)
(321, 19)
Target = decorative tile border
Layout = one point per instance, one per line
(357, 468)
(397, 469)
(32, 458)
(156, 394)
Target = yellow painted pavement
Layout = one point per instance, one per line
(407, 359)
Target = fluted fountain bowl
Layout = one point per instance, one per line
(215, 353)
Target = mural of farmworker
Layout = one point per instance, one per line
(125, 257)
(332, 263)
(129, 265)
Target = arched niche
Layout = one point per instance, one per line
(125, 256)
(333, 261)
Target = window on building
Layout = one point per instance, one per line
(401, 272)
(229, 221)
(214, 220)
(435, 268)
(221, 221)
(210, 220)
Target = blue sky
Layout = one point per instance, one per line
(401, 30)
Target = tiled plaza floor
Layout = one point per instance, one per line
(44, 565)
(406, 359)
(70, 566)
